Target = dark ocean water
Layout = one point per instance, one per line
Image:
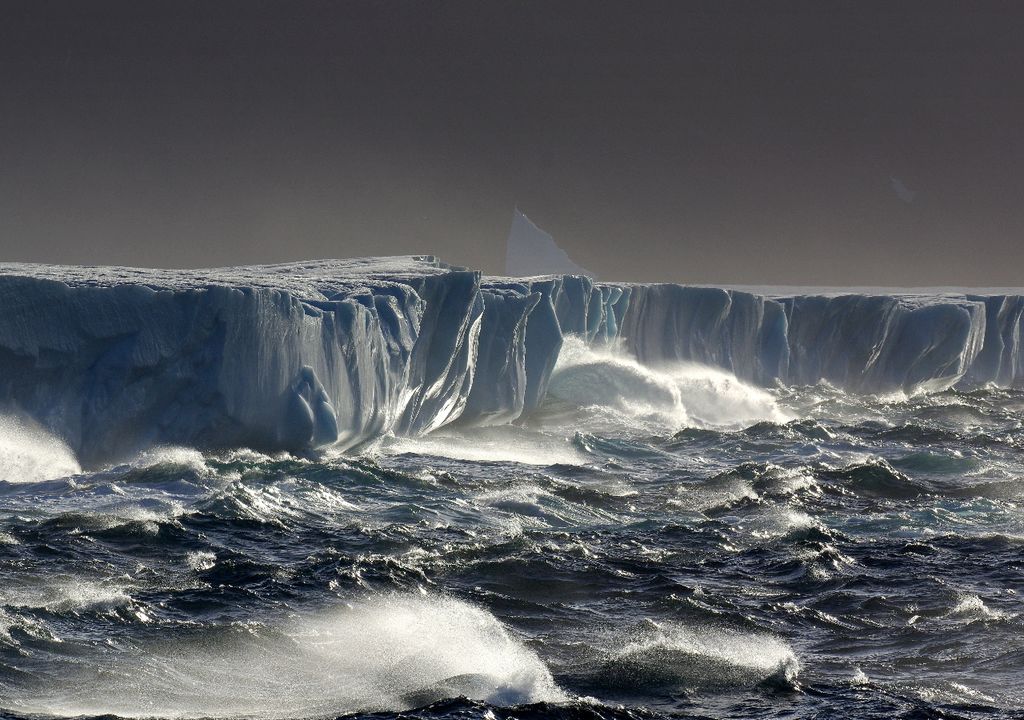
(648, 545)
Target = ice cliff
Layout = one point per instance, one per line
(338, 352)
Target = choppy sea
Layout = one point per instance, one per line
(649, 543)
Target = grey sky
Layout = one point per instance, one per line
(733, 142)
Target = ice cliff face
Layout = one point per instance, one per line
(338, 352)
(860, 341)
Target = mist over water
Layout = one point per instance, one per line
(650, 540)
(29, 453)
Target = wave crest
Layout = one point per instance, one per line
(616, 386)
(386, 653)
(673, 655)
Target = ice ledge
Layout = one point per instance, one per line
(338, 352)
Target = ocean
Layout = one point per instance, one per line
(649, 542)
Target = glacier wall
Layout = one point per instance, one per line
(340, 352)
(859, 341)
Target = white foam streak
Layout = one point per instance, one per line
(64, 594)
(492, 444)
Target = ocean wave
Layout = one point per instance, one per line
(385, 653)
(64, 594)
(670, 655)
(875, 478)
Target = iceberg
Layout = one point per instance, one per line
(340, 352)
(531, 251)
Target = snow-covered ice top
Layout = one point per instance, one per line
(311, 279)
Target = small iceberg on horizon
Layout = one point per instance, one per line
(531, 252)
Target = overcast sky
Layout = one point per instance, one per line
(719, 142)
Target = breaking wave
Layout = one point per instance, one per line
(609, 382)
(383, 653)
(675, 656)
(644, 543)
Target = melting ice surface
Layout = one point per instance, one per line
(367, 487)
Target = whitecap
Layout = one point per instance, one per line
(617, 389)
(675, 655)
(970, 607)
(200, 560)
(173, 455)
(489, 444)
(64, 594)
(380, 654)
